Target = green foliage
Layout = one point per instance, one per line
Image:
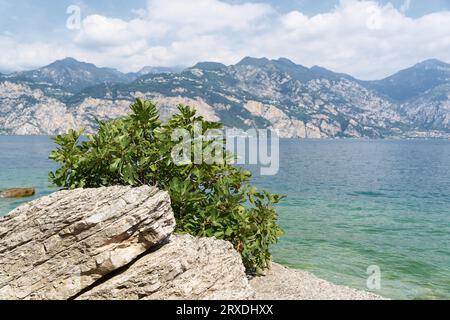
(207, 199)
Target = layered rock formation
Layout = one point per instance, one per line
(111, 243)
(184, 268)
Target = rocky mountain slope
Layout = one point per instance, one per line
(71, 75)
(150, 69)
(412, 82)
(296, 101)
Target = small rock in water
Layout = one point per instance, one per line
(17, 193)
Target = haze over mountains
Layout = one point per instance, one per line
(297, 101)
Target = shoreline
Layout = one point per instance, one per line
(284, 283)
(387, 138)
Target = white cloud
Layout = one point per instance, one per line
(18, 56)
(100, 31)
(201, 16)
(175, 32)
(363, 38)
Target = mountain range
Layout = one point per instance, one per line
(297, 101)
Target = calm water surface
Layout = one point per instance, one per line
(351, 204)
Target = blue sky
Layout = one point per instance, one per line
(416, 9)
(368, 39)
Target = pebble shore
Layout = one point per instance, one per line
(282, 283)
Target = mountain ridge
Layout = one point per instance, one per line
(411, 82)
(279, 94)
(71, 74)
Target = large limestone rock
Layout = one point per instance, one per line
(57, 246)
(112, 243)
(184, 268)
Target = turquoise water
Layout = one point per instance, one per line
(24, 163)
(351, 204)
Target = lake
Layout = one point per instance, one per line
(351, 204)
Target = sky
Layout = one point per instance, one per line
(367, 39)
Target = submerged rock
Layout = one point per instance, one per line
(17, 193)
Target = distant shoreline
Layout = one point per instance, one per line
(446, 138)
